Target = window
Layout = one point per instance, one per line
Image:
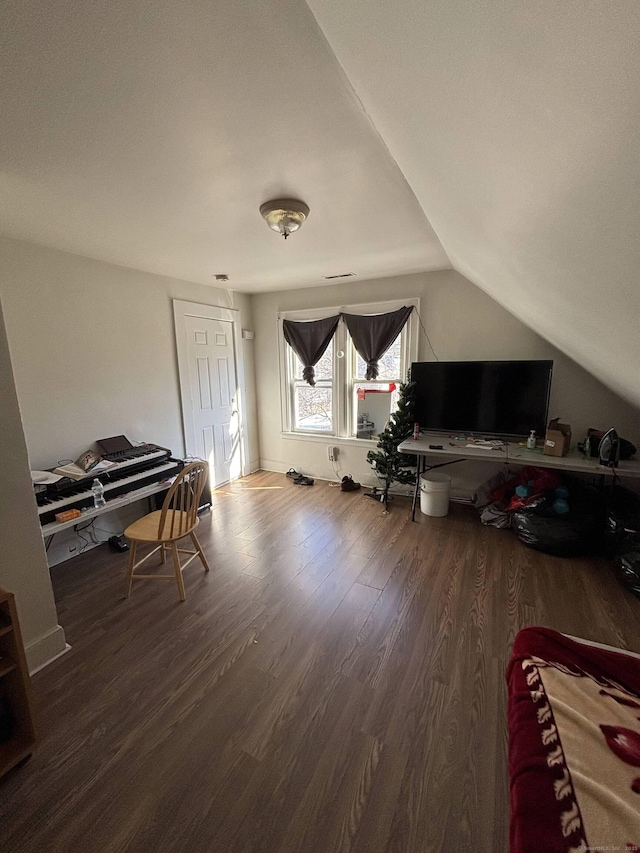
(313, 405)
(343, 403)
(373, 401)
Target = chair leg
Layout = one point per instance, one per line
(132, 560)
(162, 553)
(194, 539)
(179, 578)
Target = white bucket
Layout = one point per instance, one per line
(434, 493)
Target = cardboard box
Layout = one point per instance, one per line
(558, 438)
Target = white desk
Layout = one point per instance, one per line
(509, 453)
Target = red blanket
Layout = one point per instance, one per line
(574, 746)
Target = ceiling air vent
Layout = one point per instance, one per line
(342, 275)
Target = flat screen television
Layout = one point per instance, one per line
(506, 398)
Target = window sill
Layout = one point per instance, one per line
(366, 443)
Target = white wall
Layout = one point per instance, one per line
(463, 323)
(244, 303)
(93, 352)
(23, 563)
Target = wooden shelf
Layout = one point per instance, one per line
(15, 688)
(14, 751)
(6, 667)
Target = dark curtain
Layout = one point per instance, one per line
(373, 335)
(309, 341)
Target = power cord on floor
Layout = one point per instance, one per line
(82, 539)
(93, 539)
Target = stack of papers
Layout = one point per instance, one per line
(44, 478)
(487, 446)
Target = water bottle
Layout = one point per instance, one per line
(98, 494)
(531, 441)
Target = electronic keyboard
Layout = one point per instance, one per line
(124, 477)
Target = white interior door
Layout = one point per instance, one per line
(210, 393)
(212, 377)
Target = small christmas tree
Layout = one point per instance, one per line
(390, 465)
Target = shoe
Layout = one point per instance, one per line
(301, 480)
(293, 473)
(348, 485)
(118, 543)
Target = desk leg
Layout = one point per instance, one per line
(417, 488)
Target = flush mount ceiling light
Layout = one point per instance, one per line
(284, 215)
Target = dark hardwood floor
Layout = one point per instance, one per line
(335, 683)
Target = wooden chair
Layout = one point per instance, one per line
(167, 526)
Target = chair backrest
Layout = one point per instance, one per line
(182, 501)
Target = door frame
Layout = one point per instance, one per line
(181, 310)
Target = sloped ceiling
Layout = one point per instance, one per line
(499, 137)
(517, 126)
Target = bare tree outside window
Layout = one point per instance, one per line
(389, 364)
(313, 406)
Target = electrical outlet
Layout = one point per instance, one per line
(332, 453)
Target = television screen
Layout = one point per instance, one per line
(507, 398)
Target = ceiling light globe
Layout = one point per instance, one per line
(284, 215)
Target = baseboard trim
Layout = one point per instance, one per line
(270, 465)
(46, 648)
(366, 482)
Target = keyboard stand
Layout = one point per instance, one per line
(124, 500)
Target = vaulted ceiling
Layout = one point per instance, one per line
(499, 138)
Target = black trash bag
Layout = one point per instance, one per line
(627, 563)
(579, 531)
(614, 532)
(625, 505)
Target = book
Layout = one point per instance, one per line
(87, 460)
(87, 464)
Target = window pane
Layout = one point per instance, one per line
(324, 368)
(312, 408)
(389, 363)
(374, 403)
